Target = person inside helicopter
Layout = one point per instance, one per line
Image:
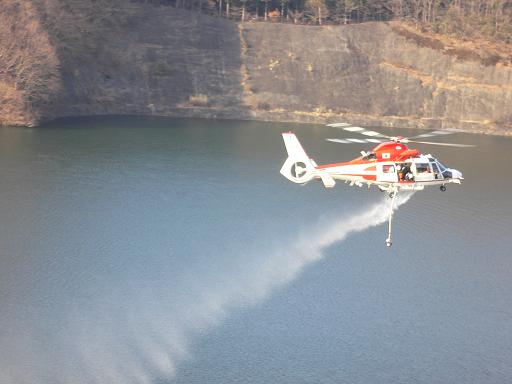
(406, 172)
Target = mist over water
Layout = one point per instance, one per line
(124, 244)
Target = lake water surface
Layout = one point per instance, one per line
(152, 250)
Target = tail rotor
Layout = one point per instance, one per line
(298, 167)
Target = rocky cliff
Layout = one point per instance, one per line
(73, 57)
(370, 73)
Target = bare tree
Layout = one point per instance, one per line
(243, 9)
(317, 9)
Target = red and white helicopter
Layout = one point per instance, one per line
(390, 165)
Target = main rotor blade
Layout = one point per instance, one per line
(365, 132)
(353, 129)
(338, 125)
(354, 141)
(442, 144)
(373, 134)
(439, 132)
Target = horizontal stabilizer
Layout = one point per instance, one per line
(327, 180)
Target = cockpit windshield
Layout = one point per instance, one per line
(442, 167)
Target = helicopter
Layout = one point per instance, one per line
(391, 165)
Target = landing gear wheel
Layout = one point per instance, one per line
(442, 188)
(388, 243)
(391, 195)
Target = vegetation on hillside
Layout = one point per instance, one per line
(464, 18)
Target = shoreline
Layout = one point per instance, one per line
(299, 117)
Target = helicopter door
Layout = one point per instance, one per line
(387, 172)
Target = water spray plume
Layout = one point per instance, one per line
(137, 339)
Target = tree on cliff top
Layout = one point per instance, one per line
(316, 9)
(466, 18)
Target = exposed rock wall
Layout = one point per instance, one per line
(369, 73)
(114, 57)
(29, 67)
(74, 57)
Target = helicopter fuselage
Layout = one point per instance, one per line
(392, 165)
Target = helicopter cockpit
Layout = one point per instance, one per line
(444, 171)
(422, 168)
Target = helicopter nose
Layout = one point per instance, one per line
(456, 174)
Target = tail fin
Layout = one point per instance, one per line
(298, 167)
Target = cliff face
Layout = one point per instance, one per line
(74, 57)
(29, 67)
(371, 74)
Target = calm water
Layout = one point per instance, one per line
(137, 250)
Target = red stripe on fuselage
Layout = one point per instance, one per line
(352, 162)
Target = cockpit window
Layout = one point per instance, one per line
(370, 156)
(437, 172)
(388, 168)
(442, 166)
(422, 168)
